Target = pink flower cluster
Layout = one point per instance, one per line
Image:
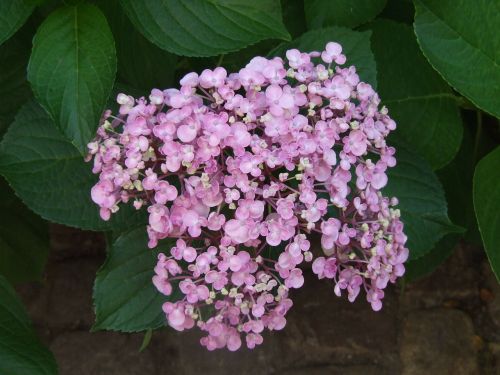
(244, 170)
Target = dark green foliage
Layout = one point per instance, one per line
(73, 57)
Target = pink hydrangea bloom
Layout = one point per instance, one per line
(244, 170)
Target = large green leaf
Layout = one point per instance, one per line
(418, 99)
(349, 13)
(206, 28)
(487, 206)
(399, 10)
(421, 201)
(124, 296)
(13, 14)
(141, 64)
(355, 44)
(49, 175)
(14, 89)
(21, 352)
(461, 40)
(456, 178)
(294, 17)
(428, 263)
(24, 239)
(72, 69)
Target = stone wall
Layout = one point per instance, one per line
(448, 323)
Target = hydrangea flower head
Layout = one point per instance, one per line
(245, 170)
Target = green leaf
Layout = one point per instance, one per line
(146, 340)
(348, 13)
(421, 201)
(13, 14)
(72, 69)
(206, 28)
(14, 89)
(456, 178)
(419, 100)
(355, 45)
(21, 352)
(460, 38)
(49, 175)
(428, 263)
(294, 17)
(141, 64)
(124, 296)
(487, 206)
(24, 239)
(399, 10)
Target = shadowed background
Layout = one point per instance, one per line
(447, 323)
